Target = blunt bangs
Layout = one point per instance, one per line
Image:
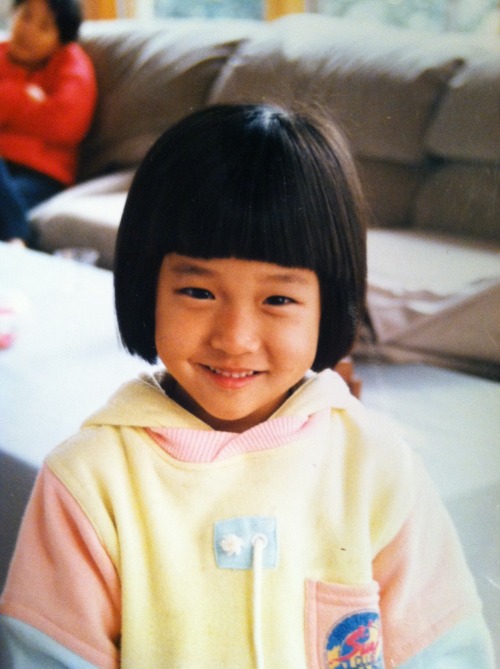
(250, 206)
(245, 181)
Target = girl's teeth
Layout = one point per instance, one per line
(231, 375)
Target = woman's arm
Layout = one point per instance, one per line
(56, 105)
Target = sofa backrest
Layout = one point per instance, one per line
(149, 75)
(462, 190)
(421, 111)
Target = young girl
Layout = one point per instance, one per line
(239, 510)
(47, 99)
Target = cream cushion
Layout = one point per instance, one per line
(87, 215)
(434, 295)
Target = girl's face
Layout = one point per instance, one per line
(236, 335)
(34, 34)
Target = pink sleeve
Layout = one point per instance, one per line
(61, 580)
(426, 587)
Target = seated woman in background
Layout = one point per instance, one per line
(47, 99)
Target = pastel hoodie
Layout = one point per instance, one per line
(314, 540)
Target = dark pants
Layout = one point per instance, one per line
(20, 190)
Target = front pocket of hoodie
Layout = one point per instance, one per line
(342, 626)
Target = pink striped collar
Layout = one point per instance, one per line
(199, 446)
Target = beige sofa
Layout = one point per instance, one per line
(422, 115)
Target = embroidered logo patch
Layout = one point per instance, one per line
(355, 641)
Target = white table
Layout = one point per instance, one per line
(68, 360)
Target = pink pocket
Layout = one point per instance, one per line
(343, 627)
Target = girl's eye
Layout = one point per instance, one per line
(279, 300)
(197, 293)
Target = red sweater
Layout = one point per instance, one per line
(45, 114)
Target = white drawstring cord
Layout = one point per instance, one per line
(259, 543)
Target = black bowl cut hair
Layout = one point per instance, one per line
(253, 182)
(68, 17)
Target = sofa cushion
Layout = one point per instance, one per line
(467, 124)
(390, 189)
(149, 76)
(460, 198)
(381, 84)
(87, 215)
(434, 295)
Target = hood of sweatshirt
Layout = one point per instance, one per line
(143, 402)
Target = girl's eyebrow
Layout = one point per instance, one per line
(191, 269)
(290, 277)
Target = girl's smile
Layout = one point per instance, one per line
(230, 378)
(236, 335)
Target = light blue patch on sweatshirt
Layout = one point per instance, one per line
(234, 537)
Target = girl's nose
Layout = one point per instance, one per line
(235, 332)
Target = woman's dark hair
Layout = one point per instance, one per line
(253, 182)
(68, 16)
